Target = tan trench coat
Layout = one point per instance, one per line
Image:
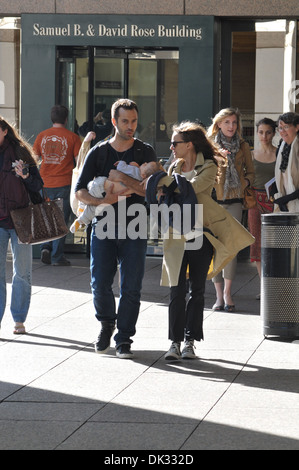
(227, 235)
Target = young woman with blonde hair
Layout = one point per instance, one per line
(237, 172)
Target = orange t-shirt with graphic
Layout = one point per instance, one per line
(57, 147)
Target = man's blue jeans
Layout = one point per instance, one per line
(21, 280)
(56, 247)
(105, 255)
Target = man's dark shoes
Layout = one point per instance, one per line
(103, 342)
(45, 256)
(62, 262)
(123, 351)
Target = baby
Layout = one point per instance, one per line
(101, 184)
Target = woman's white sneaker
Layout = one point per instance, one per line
(174, 352)
(188, 351)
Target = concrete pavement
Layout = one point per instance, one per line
(56, 393)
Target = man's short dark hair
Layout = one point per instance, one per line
(59, 114)
(122, 103)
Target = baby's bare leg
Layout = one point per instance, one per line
(116, 186)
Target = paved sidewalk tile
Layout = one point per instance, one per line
(56, 393)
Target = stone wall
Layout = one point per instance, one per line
(221, 8)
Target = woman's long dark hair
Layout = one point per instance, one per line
(195, 133)
(23, 150)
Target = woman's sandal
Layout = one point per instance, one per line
(19, 329)
(229, 308)
(218, 308)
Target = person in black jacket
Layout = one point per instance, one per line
(19, 177)
(102, 126)
(111, 244)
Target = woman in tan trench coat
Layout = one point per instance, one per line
(222, 238)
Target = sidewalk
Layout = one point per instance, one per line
(56, 393)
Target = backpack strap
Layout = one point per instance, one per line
(102, 157)
(138, 151)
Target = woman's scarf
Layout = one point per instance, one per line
(232, 184)
(291, 169)
(285, 157)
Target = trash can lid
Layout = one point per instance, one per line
(280, 218)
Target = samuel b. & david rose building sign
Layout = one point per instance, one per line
(119, 31)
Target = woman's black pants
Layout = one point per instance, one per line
(186, 316)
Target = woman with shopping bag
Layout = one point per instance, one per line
(19, 177)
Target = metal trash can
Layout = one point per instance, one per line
(280, 274)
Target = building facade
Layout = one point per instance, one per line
(179, 59)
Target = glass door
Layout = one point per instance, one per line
(72, 67)
(149, 77)
(156, 95)
(90, 79)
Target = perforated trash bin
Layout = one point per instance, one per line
(280, 274)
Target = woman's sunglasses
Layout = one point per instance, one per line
(175, 143)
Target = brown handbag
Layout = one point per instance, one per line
(249, 200)
(39, 223)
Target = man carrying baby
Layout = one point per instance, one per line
(107, 253)
(100, 185)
